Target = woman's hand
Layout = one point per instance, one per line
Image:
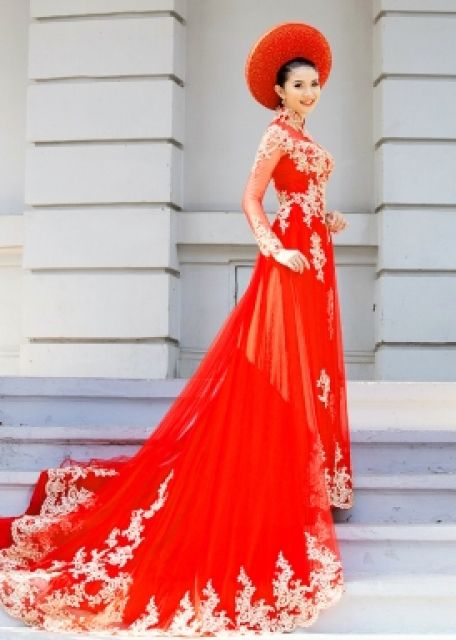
(335, 221)
(292, 258)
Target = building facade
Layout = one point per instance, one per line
(126, 137)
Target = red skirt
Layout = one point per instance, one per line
(222, 520)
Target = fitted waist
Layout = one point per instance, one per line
(311, 203)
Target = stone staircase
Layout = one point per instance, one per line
(398, 542)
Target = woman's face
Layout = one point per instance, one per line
(301, 91)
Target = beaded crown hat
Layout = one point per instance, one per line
(275, 47)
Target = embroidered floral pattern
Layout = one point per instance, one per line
(306, 153)
(93, 581)
(149, 618)
(290, 117)
(295, 604)
(338, 480)
(308, 158)
(97, 586)
(310, 201)
(265, 237)
(324, 383)
(275, 137)
(96, 596)
(63, 494)
(318, 255)
(283, 212)
(89, 588)
(314, 202)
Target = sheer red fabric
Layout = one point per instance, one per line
(222, 520)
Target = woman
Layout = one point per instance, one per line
(222, 520)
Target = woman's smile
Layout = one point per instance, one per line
(301, 91)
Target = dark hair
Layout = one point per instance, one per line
(282, 73)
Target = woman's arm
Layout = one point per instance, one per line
(269, 152)
(272, 146)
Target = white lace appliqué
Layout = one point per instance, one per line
(338, 480)
(308, 158)
(318, 255)
(295, 604)
(266, 239)
(95, 596)
(275, 137)
(62, 496)
(310, 201)
(323, 383)
(307, 155)
(93, 581)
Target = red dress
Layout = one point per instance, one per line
(222, 520)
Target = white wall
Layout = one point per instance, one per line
(415, 196)
(13, 85)
(103, 180)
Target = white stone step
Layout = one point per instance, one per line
(84, 401)
(75, 401)
(398, 542)
(406, 498)
(372, 547)
(402, 498)
(30, 448)
(394, 604)
(403, 449)
(393, 549)
(385, 450)
(402, 604)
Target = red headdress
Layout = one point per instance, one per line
(275, 47)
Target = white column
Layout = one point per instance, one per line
(103, 185)
(415, 199)
(11, 239)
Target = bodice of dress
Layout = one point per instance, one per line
(299, 168)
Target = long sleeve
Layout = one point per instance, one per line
(269, 152)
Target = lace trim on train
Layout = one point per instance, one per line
(63, 495)
(103, 589)
(295, 604)
(93, 580)
(338, 480)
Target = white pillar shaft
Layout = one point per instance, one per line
(415, 200)
(105, 120)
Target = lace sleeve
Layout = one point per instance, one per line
(269, 152)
